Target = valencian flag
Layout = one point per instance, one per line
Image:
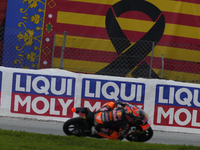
(23, 33)
(106, 36)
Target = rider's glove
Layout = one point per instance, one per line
(123, 132)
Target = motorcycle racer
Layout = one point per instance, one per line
(110, 116)
(114, 120)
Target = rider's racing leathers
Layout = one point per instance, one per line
(110, 117)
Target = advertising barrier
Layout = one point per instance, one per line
(49, 94)
(42, 95)
(177, 106)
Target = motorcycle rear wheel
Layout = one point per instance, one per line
(73, 126)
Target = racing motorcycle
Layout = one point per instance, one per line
(82, 126)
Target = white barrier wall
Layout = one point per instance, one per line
(49, 94)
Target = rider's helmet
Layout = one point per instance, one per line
(132, 113)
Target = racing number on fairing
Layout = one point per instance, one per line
(135, 54)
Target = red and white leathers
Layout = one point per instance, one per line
(107, 119)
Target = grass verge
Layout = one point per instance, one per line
(20, 140)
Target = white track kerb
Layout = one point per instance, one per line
(49, 94)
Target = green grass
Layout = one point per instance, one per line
(18, 140)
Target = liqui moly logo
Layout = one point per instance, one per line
(42, 94)
(177, 106)
(96, 92)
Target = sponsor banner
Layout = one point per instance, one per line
(173, 106)
(96, 92)
(45, 95)
(177, 106)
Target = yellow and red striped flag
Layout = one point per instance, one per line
(89, 48)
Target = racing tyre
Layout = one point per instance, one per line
(142, 136)
(73, 126)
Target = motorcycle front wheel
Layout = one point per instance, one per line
(141, 136)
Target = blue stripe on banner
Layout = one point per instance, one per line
(111, 90)
(43, 85)
(177, 96)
